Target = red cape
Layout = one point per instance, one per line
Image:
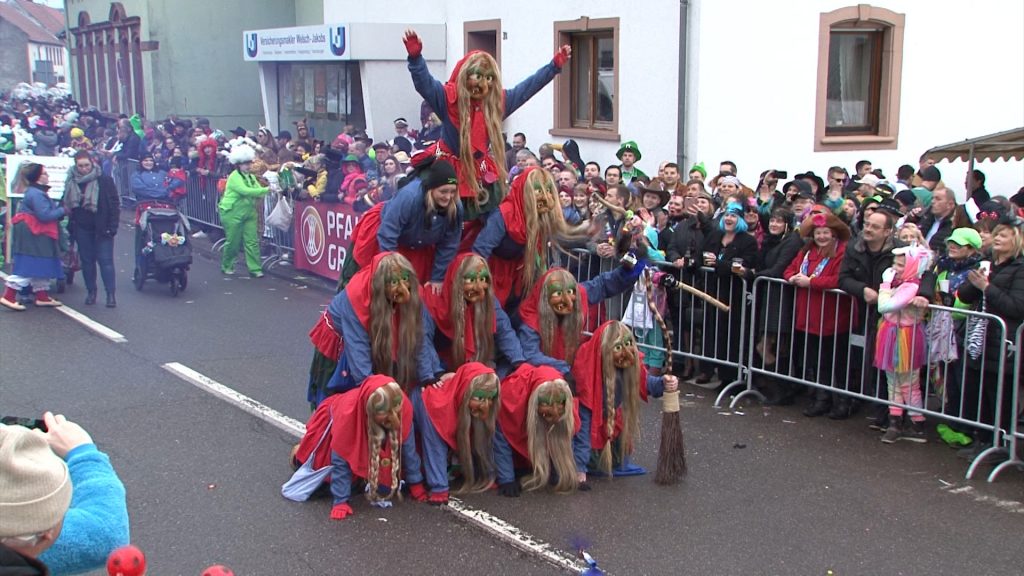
(506, 272)
(345, 414)
(364, 236)
(443, 403)
(529, 310)
(589, 374)
(440, 307)
(360, 290)
(477, 130)
(516, 389)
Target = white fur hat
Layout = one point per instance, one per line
(241, 150)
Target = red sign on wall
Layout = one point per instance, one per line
(323, 235)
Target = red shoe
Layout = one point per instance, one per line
(43, 299)
(438, 498)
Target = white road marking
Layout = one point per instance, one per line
(84, 320)
(491, 524)
(514, 536)
(257, 409)
(1004, 505)
(91, 324)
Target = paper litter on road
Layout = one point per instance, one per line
(784, 421)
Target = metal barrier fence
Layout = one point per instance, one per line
(1015, 434)
(200, 206)
(825, 340)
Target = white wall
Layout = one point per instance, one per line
(755, 85)
(647, 53)
(752, 76)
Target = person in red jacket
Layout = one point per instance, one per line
(823, 320)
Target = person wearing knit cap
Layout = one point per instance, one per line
(423, 223)
(39, 473)
(698, 172)
(35, 492)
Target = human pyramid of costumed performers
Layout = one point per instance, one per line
(451, 325)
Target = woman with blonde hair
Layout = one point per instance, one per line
(423, 223)
(998, 291)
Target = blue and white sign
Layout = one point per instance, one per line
(325, 42)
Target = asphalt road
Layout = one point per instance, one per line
(769, 491)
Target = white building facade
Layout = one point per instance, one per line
(800, 85)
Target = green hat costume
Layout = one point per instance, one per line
(628, 147)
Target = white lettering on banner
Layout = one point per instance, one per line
(324, 42)
(336, 257)
(57, 168)
(340, 225)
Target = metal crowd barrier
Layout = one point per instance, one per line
(122, 172)
(762, 341)
(946, 381)
(200, 206)
(1015, 434)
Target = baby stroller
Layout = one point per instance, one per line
(162, 250)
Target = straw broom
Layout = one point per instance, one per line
(671, 450)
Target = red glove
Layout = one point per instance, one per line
(562, 56)
(413, 45)
(418, 492)
(341, 511)
(438, 498)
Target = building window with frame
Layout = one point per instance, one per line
(586, 102)
(860, 56)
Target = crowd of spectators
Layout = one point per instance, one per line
(740, 225)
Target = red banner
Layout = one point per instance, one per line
(323, 235)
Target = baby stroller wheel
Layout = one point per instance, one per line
(174, 286)
(138, 277)
(182, 280)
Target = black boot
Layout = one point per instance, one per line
(841, 409)
(90, 298)
(111, 301)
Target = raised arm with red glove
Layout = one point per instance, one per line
(561, 57)
(413, 44)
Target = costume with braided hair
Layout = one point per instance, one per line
(345, 440)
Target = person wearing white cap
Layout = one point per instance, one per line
(39, 527)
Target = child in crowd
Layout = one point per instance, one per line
(900, 348)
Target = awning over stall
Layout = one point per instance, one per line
(1008, 145)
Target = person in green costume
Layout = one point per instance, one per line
(238, 211)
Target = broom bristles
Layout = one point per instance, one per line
(671, 451)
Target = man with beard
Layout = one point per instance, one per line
(611, 380)
(629, 155)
